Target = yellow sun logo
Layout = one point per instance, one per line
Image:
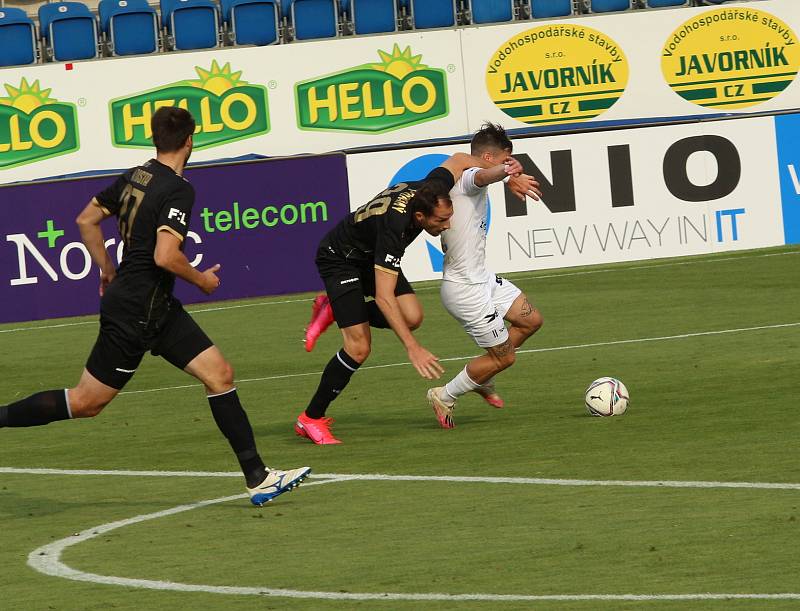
(399, 63)
(27, 97)
(217, 80)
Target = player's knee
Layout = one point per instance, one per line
(414, 320)
(222, 379)
(535, 322)
(359, 351)
(82, 406)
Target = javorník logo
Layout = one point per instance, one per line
(557, 73)
(34, 126)
(398, 92)
(731, 58)
(225, 108)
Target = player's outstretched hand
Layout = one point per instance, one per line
(524, 186)
(426, 364)
(209, 282)
(513, 167)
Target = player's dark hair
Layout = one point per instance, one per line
(171, 126)
(490, 136)
(427, 197)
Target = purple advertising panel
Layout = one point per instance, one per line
(260, 220)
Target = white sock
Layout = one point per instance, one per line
(460, 385)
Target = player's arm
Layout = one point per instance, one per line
(88, 222)
(426, 364)
(169, 256)
(458, 162)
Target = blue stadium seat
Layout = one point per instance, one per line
(253, 22)
(69, 29)
(607, 6)
(130, 25)
(17, 38)
(372, 16)
(193, 24)
(491, 11)
(541, 9)
(315, 18)
(433, 13)
(665, 3)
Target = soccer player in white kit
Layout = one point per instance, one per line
(477, 298)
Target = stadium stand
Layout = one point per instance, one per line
(69, 31)
(371, 16)
(130, 26)
(252, 22)
(431, 13)
(313, 18)
(543, 9)
(17, 38)
(489, 11)
(607, 6)
(667, 3)
(191, 24)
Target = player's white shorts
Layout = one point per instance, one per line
(480, 308)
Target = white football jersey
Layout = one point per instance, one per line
(464, 243)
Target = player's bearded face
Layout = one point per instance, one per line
(439, 221)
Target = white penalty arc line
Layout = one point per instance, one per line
(47, 560)
(621, 268)
(639, 340)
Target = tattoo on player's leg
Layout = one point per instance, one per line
(527, 308)
(503, 349)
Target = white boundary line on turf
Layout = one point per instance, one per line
(47, 560)
(622, 267)
(541, 481)
(617, 342)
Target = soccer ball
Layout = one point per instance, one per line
(607, 397)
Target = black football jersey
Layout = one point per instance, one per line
(145, 199)
(379, 232)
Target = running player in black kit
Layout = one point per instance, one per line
(360, 258)
(138, 313)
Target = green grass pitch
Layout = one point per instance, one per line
(713, 378)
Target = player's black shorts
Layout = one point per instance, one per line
(122, 342)
(348, 285)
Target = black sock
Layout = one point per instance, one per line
(232, 421)
(337, 374)
(36, 410)
(376, 317)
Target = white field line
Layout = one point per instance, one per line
(47, 560)
(639, 340)
(654, 266)
(469, 479)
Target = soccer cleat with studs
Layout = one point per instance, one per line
(444, 412)
(321, 319)
(276, 483)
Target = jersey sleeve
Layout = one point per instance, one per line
(443, 175)
(176, 211)
(389, 247)
(467, 182)
(109, 199)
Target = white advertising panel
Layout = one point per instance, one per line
(610, 196)
(318, 96)
(741, 57)
(306, 97)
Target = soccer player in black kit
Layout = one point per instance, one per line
(360, 257)
(138, 313)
